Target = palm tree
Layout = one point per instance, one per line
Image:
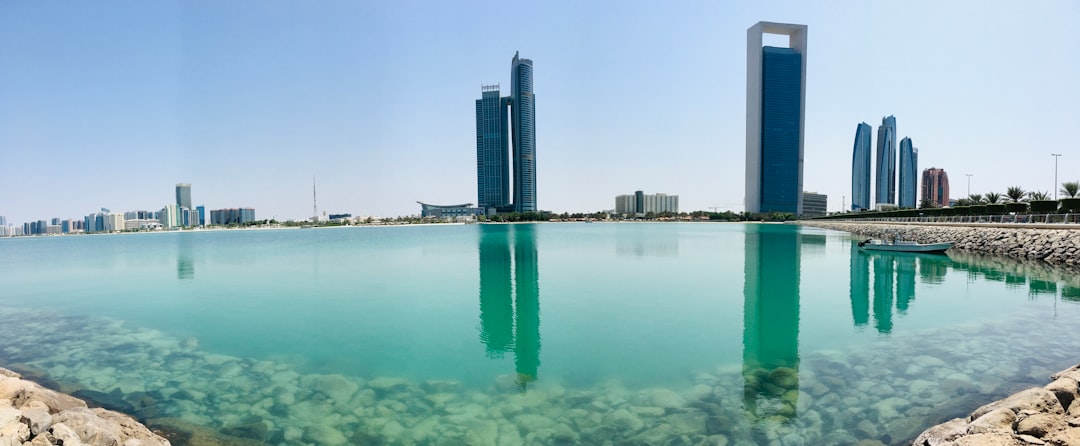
(992, 197)
(1015, 193)
(1038, 195)
(1072, 188)
(927, 204)
(975, 198)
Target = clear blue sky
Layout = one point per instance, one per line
(109, 104)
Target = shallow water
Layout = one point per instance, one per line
(533, 334)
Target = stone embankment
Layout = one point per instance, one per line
(1048, 415)
(1057, 246)
(31, 415)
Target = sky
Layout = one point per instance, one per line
(110, 104)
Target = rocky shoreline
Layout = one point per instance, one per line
(31, 415)
(1049, 415)
(1055, 246)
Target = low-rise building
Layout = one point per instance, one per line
(641, 203)
(814, 204)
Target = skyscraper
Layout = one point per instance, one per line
(935, 186)
(493, 174)
(775, 119)
(492, 150)
(886, 161)
(522, 113)
(183, 195)
(909, 165)
(860, 168)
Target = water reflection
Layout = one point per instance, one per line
(185, 262)
(771, 321)
(895, 277)
(510, 297)
(642, 240)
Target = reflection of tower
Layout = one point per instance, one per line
(771, 320)
(527, 303)
(185, 265)
(933, 270)
(883, 293)
(496, 309)
(859, 286)
(905, 282)
(510, 305)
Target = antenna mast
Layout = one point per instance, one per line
(314, 201)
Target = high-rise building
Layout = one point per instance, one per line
(935, 187)
(814, 204)
(885, 192)
(642, 203)
(183, 195)
(492, 150)
(202, 215)
(3, 220)
(909, 165)
(493, 173)
(860, 168)
(775, 119)
(171, 216)
(523, 116)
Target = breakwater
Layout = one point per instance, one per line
(1047, 415)
(1056, 246)
(33, 415)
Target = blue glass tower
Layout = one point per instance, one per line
(909, 168)
(886, 161)
(523, 115)
(492, 151)
(775, 112)
(860, 168)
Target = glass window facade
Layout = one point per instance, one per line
(492, 151)
(886, 161)
(860, 169)
(781, 107)
(909, 166)
(523, 108)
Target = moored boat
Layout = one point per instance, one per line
(903, 246)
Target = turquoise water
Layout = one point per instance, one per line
(532, 334)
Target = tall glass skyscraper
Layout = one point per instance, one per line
(522, 112)
(775, 112)
(492, 132)
(492, 150)
(183, 195)
(886, 161)
(909, 168)
(860, 168)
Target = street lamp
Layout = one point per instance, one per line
(1056, 156)
(969, 183)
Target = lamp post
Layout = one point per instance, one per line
(1056, 156)
(969, 183)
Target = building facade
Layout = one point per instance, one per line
(183, 196)
(909, 168)
(451, 211)
(494, 175)
(492, 149)
(231, 216)
(860, 169)
(935, 187)
(814, 204)
(775, 119)
(885, 190)
(523, 115)
(641, 203)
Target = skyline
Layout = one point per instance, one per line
(377, 100)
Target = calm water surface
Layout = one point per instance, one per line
(531, 334)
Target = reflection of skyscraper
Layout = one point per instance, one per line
(932, 269)
(185, 265)
(859, 288)
(527, 306)
(510, 303)
(496, 307)
(771, 320)
(883, 292)
(905, 282)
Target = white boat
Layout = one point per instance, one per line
(903, 246)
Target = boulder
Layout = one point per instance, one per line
(999, 420)
(37, 418)
(1038, 425)
(1037, 399)
(942, 433)
(1066, 389)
